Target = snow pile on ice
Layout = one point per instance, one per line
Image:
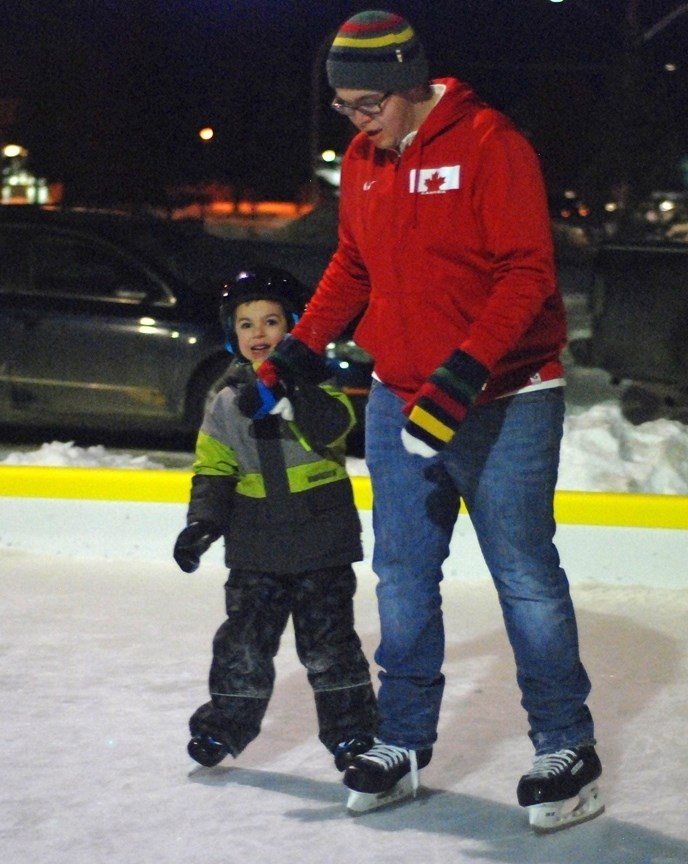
(602, 451)
(65, 453)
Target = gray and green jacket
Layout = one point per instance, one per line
(278, 490)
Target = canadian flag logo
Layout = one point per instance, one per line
(434, 181)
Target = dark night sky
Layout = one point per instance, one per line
(113, 92)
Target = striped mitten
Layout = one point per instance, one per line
(442, 403)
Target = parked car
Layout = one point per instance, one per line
(111, 322)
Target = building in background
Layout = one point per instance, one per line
(20, 186)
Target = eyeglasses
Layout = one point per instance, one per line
(368, 105)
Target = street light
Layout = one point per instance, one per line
(665, 21)
(14, 151)
(630, 16)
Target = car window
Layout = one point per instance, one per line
(72, 267)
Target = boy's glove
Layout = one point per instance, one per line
(192, 542)
(291, 362)
(442, 403)
(256, 401)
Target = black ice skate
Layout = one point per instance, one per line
(345, 752)
(561, 789)
(383, 775)
(206, 750)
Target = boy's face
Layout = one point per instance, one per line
(259, 325)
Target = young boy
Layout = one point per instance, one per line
(276, 488)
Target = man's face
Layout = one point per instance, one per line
(387, 126)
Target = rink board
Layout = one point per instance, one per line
(171, 487)
(612, 538)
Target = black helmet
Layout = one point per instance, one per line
(267, 283)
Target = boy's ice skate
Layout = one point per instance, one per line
(346, 751)
(383, 775)
(206, 750)
(561, 789)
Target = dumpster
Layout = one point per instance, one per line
(639, 330)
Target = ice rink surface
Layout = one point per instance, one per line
(102, 662)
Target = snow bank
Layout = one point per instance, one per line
(601, 452)
(65, 454)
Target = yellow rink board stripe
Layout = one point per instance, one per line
(172, 486)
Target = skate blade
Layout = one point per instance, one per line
(362, 802)
(555, 815)
(195, 768)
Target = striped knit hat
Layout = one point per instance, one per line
(376, 51)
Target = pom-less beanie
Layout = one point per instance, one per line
(376, 51)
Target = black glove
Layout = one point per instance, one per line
(293, 362)
(256, 400)
(192, 542)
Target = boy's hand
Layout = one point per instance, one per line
(256, 401)
(442, 403)
(192, 542)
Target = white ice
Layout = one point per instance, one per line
(103, 661)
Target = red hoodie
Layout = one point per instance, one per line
(446, 246)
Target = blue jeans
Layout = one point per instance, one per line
(503, 463)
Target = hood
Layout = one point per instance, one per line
(458, 102)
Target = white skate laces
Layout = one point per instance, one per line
(552, 763)
(384, 775)
(389, 757)
(562, 788)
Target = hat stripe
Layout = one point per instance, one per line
(356, 55)
(405, 35)
(373, 21)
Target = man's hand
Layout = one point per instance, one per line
(292, 362)
(442, 403)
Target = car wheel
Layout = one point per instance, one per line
(203, 388)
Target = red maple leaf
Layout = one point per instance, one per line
(435, 182)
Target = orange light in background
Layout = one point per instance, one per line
(206, 133)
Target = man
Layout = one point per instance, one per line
(445, 245)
